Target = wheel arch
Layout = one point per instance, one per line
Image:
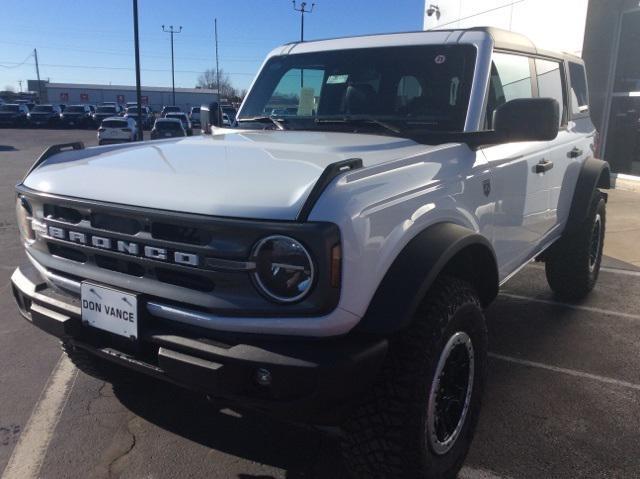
(443, 248)
(593, 175)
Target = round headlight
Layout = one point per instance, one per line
(284, 269)
(23, 215)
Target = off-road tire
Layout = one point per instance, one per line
(386, 435)
(572, 264)
(88, 363)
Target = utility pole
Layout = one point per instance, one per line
(173, 77)
(136, 43)
(35, 54)
(215, 24)
(302, 9)
(20, 83)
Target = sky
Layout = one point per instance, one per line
(89, 41)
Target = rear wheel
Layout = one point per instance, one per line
(573, 263)
(420, 416)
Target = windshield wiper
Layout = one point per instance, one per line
(279, 122)
(346, 120)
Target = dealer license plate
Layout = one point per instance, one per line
(110, 310)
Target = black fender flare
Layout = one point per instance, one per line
(594, 174)
(442, 247)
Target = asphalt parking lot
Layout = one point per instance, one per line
(562, 400)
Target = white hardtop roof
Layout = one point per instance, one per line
(502, 39)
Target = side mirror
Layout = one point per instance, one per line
(527, 119)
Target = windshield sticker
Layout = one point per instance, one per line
(337, 79)
(440, 59)
(453, 94)
(305, 107)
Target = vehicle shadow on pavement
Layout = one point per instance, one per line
(303, 452)
(7, 148)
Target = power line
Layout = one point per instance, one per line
(510, 4)
(100, 67)
(19, 64)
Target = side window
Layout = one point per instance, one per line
(579, 92)
(510, 80)
(550, 84)
(297, 93)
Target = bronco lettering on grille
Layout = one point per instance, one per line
(126, 247)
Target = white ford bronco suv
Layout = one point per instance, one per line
(330, 257)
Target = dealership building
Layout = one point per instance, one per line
(605, 33)
(155, 97)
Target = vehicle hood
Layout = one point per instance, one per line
(244, 174)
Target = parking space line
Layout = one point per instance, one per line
(570, 372)
(27, 457)
(473, 473)
(578, 307)
(606, 269)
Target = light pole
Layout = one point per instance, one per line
(173, 77)
(136, 43)
(302, 9)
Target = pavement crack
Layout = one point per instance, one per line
(112, 468)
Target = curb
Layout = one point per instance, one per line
(625, 182)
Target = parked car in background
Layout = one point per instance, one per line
(13, 114)
(44, 115)
(167, 128)
(186, 123)
(105, 111)
(231, 113)
(194, 116)
(146, 116)
(76, 116)
(169, 109)
(117, 129)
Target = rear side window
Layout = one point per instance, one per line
(510, 80)
(115, 124)
(579, 92)
(550, 84)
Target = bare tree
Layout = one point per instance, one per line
(208, 80)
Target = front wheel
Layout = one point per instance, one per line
(572, 264)
(419, 418)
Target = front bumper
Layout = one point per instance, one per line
(311, 380)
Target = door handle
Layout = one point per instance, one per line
(575, 153)
(544, 166)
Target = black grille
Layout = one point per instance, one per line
(119, 224)
(61, 213)
(186, 280)
(67, 253)
(121, 266)
(180, 234)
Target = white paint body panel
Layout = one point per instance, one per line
(402, 188)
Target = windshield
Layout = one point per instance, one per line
(168, 125)
(195, 109)
(114, 124)
(134, 111)
(106, 109)
(74, 109)
(179, 116)
(423, 85)
(9, 107)
(46, 108)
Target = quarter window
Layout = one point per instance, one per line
(579, 93)
(550, 83)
